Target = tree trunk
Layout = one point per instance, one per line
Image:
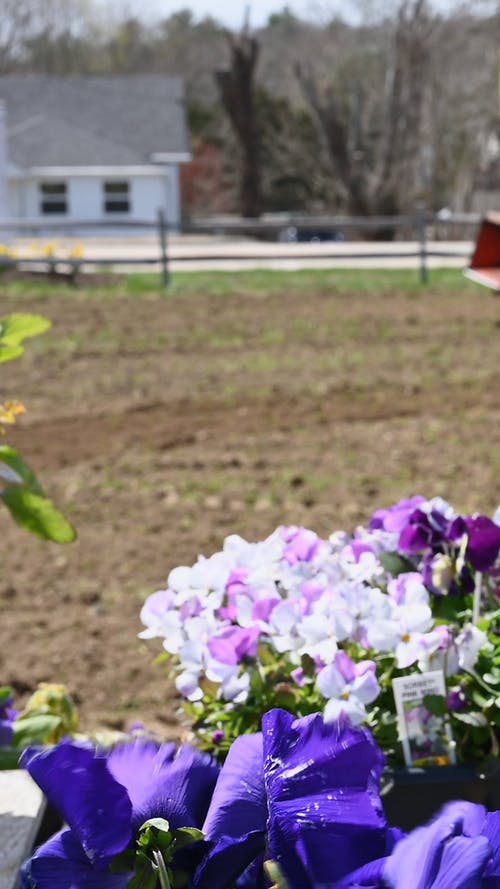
(237, 92)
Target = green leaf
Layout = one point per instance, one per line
(264, 654)
(286, 700)
(308, 665)
(5, 693)
(30, 729)
(447, 608)
(395, 564)
(185, 836)
(145, 875)
(478, 720)
(208, 687)
(21, 325)
(37, 514)
(15, 461)
(161, 658)
(492, 678)
(480, 700)
(7, 353)
(122, 862)
(9, 757)
(157, 823)
(435, 704)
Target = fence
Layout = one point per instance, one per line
(278, 228)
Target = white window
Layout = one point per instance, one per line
(116, 196)
(53, 198)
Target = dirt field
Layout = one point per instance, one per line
(160, 425)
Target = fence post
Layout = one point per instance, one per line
(422, 240)
(162, 232)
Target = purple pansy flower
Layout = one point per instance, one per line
(301, 545)
(7, 716)
(356, 548)
(395, 518)
(347, 686)
(458, 849)
(483, 540)
(456, 699)
(424, 531)
(303, 793)
(232, 644)
(104, 798)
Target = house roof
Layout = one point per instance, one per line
(93, 121)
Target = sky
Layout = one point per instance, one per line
(231, 12)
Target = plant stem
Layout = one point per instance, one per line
(162, 870)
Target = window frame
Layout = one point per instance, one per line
(117, 198)
(53, 197)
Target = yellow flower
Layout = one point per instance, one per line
(9, 411)
(55, 700)
(49, 250)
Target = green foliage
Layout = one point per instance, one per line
(152, 858)
(34, 729)
(435, 704)
(49, 716)
(37, 514)
(395, 564)
(13, 459)
(21, 493)
(14, 329)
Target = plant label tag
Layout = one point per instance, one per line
(423, 724)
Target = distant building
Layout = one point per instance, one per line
(94, 148)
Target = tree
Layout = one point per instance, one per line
(237, 93)
(369, 112)
(14, 24)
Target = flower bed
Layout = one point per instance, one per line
(306, 665)
(309, 624)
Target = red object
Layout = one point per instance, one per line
(484, 265)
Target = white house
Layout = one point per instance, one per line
(94, 148)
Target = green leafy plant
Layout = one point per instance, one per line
(20, 490)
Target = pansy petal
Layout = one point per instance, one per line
(228, 859)
(351, 707)
(421, 852)
(74, 777)
(330, 682)
(238, 803)
(491, 831)
(366, 687)
(237, 816)
(322, 786)
(483, 544)
(181, 790)
(418, 853)
(463, 863)
(254, 877)
(136, 765)
(470, 816)
(369, 876)
(61, 863)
